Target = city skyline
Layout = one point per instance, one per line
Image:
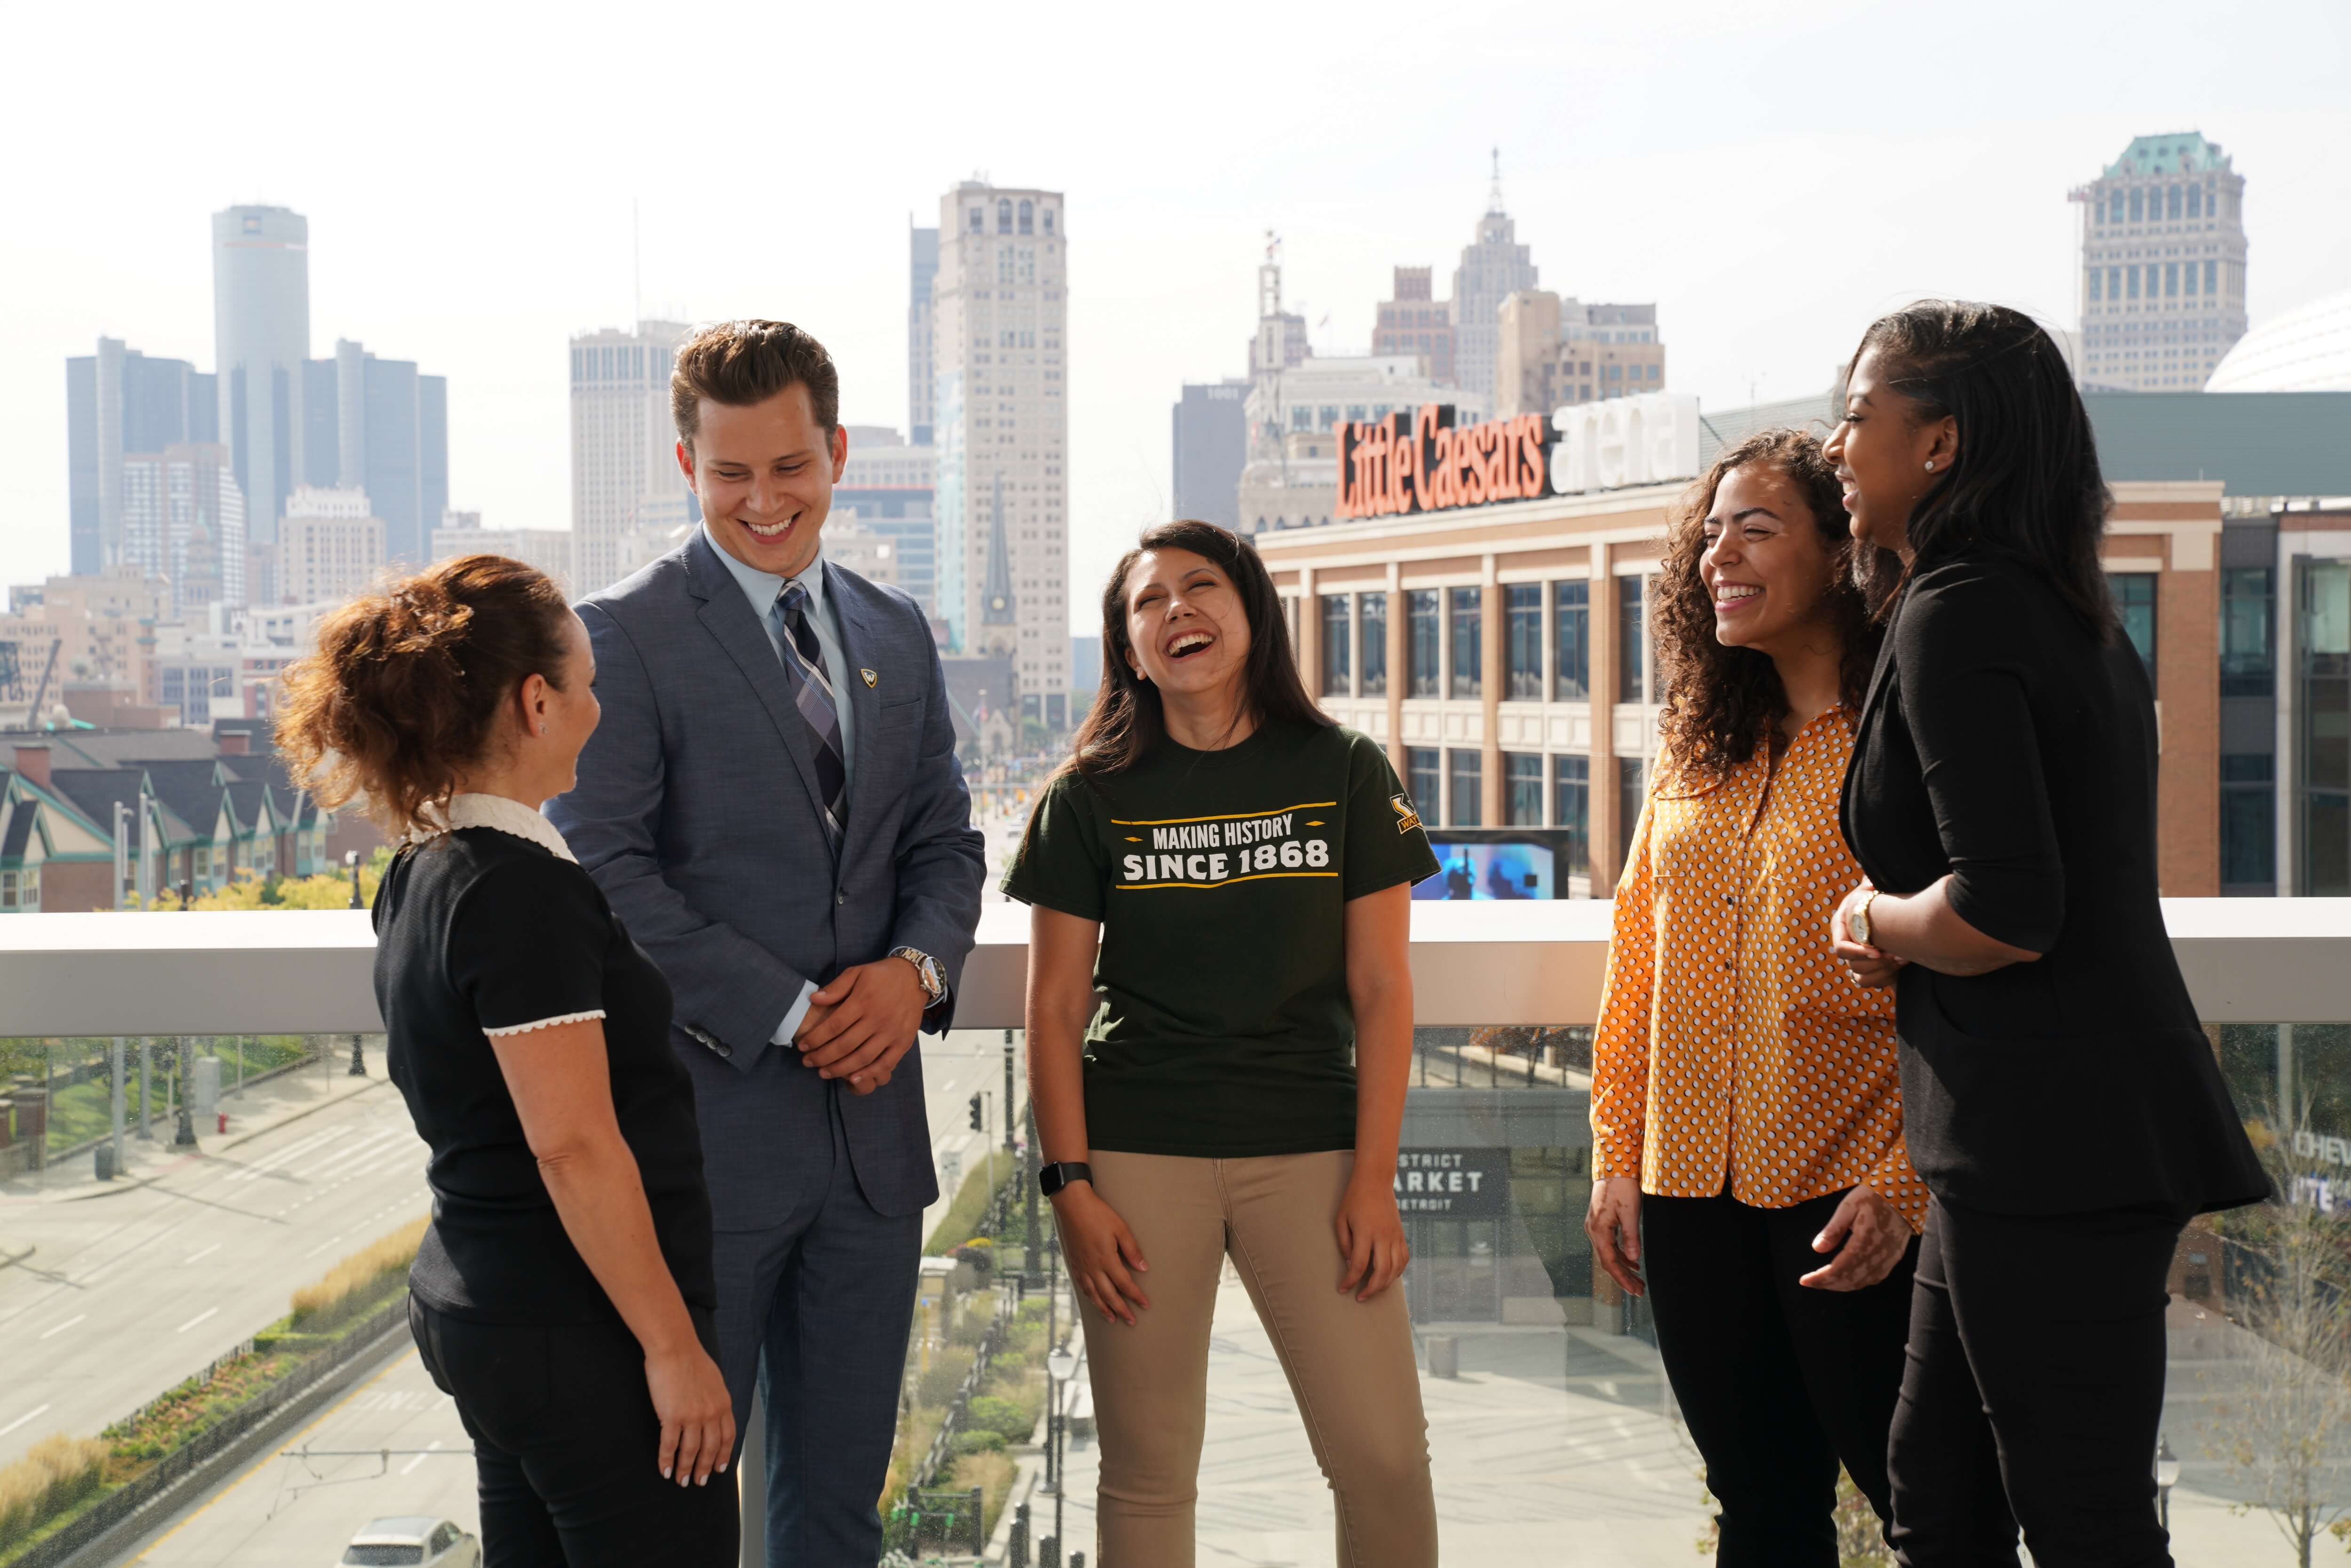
(1664, 178)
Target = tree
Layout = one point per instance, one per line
(2284, 1429)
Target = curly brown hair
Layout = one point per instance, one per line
(400, 695)
(1721, 703)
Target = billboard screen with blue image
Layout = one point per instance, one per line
(1475, 870)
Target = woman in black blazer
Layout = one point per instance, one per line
(2062, 1102)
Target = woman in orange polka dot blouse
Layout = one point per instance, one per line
(1746, 1102)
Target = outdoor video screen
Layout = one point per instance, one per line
(1475, 870)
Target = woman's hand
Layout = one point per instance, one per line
(1868, 1236)
(1870, 967)
(1103, 1253)
(697, 1418)
(1371, 1233)
(1613, 1221)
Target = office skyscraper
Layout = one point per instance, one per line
(889, 490)
(2163, 265)
(1493, 267)
(118, 402)
(376, 425)
(261, 337)
(922, 374)
(183, 520)
(1211, 444)
(1001, 302)
(625, 474)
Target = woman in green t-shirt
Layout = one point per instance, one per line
(1230, 871)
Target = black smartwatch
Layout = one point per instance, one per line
(1052, 1179)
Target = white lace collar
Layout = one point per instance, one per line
(507, 817)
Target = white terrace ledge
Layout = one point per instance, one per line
(2248, 960)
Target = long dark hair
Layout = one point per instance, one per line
(1126, 721)
(1722, 703)
(2025, 482)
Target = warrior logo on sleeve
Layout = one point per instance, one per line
(1406, 818)
(1209, 852)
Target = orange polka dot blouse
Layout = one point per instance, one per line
(1730, 1040)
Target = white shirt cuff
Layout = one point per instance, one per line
(791, 1024)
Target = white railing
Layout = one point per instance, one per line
(2248, 960)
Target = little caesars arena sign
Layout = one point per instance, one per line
(1422, 461)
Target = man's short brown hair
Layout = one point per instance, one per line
(742, 362)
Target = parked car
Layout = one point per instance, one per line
(413, 1541)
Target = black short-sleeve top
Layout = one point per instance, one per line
(1221, 881)
(491, 929)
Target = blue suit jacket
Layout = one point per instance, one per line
(696, 813)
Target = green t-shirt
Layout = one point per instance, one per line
(1220, 878)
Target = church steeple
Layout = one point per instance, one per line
(997, 601)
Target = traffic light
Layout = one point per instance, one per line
(979, 1113)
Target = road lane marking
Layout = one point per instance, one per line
(207, 1313)
(69, 1322)
(269, 1162)
(28, 1416)
(200, 1256)
(421, 1458)
(322, 1246)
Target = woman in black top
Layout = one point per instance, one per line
(564, 1293)
(2061, 1102)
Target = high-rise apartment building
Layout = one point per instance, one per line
(1416, 322)
(888, 491)
(118, 402)
(624, 473)
(1493, 267)
(376, 425)
(1211, 446)
(549, 550)
(261, 336)
(2163, 265)
(921, 373)
(1553, 351)
(331, 548)
(183, 521)
(1001, 303)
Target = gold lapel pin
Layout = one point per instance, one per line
(870, 676)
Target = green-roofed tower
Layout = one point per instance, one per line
(2162, 274)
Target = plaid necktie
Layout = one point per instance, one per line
(812, 692)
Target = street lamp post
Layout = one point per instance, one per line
(1060, 1365)
(2167, 1475)
(186, 1137)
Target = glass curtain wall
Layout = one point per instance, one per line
(1372, 632)
(1468, 646)
(1337, 645)
(1421, 645)
(1522, 627)
(1570, 676)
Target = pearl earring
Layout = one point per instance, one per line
(542, 729)
(1930, 465)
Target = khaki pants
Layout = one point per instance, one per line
(1349, 1362)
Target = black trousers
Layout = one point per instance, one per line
(1778, 1382)
(2035, 1390)
(565, 1445)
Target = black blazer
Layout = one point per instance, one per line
(2004, 744)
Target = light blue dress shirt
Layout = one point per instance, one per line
(761, 588)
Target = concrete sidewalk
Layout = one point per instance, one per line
(263, 1106)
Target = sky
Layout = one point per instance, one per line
(1770, 178)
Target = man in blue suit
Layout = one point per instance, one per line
(772, 804)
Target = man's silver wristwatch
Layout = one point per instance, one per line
(935, 980)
